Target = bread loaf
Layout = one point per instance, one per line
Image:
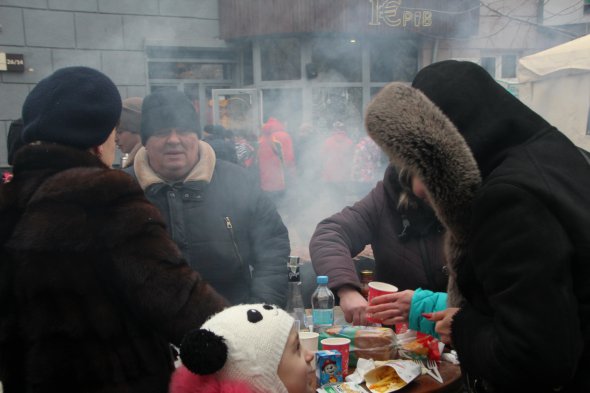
(368, 342)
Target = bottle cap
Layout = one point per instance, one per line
(322, 279)
(293, 260)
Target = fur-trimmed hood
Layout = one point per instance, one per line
(418, 136)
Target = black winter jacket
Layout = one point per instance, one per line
(92, 288)
(224, 228)
(513, 193)
(407, 243)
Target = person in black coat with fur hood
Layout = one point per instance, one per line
(92, 288)
(512, 192)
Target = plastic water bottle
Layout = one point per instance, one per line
(322, 303)
(295, 305)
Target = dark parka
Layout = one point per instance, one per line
(225, 227)
(407, 243)
(513, 192)
(92, 288)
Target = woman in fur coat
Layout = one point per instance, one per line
(92, 289)
(512, 192)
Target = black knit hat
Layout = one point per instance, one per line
(75, 106)
(168, 109)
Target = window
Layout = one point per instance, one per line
(280, 59)
(166, 63)
(283, 104)
(509, 66)
(337, 60)
(188, 70)
(489, 63)
(586, 7)
(393, 60)
(344, 104)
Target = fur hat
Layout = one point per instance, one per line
(241, 343)
(75, 106)
(166, 109)
(131, 115)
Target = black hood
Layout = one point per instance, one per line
(490, 118)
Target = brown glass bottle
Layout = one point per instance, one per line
(366, 278)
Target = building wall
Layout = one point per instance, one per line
(109, 35)
(507, 27)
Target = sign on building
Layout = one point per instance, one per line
(11, 62)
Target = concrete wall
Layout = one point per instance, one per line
(109, 35)
(506, 27)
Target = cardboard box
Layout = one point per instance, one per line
(328, 367)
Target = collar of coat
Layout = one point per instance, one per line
(202, 171)
(418, 136)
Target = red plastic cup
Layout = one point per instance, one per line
(377, 288)
(341, 345)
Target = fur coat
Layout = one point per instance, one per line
(513, 193)
(92, 288)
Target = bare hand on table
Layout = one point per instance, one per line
(353, 305)
(392, 308)
(443, 320)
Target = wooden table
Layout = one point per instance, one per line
(451, 375)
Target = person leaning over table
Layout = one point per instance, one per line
(92, 288)
(228, 230)
(406, 239)
(512, 191)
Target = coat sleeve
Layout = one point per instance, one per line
(339, 238)
(425, 301)
(270, 245)
(520, 256)
(145, 270)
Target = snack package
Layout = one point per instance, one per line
(367, 342)
(392, 376)
(344, 387)
(328, 367)
(418, 346)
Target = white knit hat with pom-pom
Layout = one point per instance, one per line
(244, 342)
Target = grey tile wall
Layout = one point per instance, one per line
(3, 149)
(192, 8)
(49, 29)
(25, 3)
(72, 57)
(74, 5)
(139, 29)
(123, 67)
(13, 32)
(109, 35)
(12, 96)
(99, 31)
(142, 7)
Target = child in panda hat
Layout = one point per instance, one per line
(249, 348)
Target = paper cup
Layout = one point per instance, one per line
(309, 341)
(377, 288)
(342, 345)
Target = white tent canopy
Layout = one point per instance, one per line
(556, 84)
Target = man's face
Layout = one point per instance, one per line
(172, 153)
(126, 140)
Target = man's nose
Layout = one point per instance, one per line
(173, 137)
